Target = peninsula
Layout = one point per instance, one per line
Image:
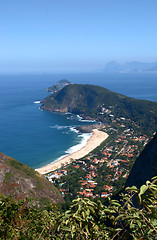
(102, 105)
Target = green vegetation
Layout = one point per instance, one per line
(28, 171)
(103, 172)
(130, 124)
(8, 175)
(18, 178)
(133, 216)
(87, 100)
(22, 167)
(89, 185)
(58, 86)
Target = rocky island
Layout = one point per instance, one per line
(58, 86)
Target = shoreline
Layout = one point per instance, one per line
(94, 141)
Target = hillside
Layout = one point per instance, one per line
(19, 179)
(131, 67)
(78, 98)
(88, 101)
(145, 166)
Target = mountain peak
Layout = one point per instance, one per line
(133, 66)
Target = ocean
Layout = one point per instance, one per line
(36, 137)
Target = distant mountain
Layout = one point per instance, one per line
(20, 180)
(145, 166)
(58, 86)
(134, 66)
(87, 100)
(154, 68)
(113, 66)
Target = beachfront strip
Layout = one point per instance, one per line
(95, 140)
(104, 170)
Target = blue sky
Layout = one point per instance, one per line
(75, 35)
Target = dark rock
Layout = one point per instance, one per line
(88, 128)
(145, 166)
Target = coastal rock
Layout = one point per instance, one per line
(145, 166)
(61, 110)
(88, 128)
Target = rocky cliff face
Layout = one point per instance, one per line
(20, 180)
(145, 166)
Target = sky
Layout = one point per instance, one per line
(75, 35)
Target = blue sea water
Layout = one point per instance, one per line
(37, 137)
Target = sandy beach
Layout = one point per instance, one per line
(95, 140)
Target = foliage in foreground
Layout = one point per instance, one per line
(85, 219)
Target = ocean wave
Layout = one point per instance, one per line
(59, 127)
(36, 102)
(57, 159)
(61, 157)
(79, 117)
(68, 113)
(73, 129)
(72, 117)
(83, 120)
(85, 137)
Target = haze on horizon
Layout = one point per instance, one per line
(58, 35)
